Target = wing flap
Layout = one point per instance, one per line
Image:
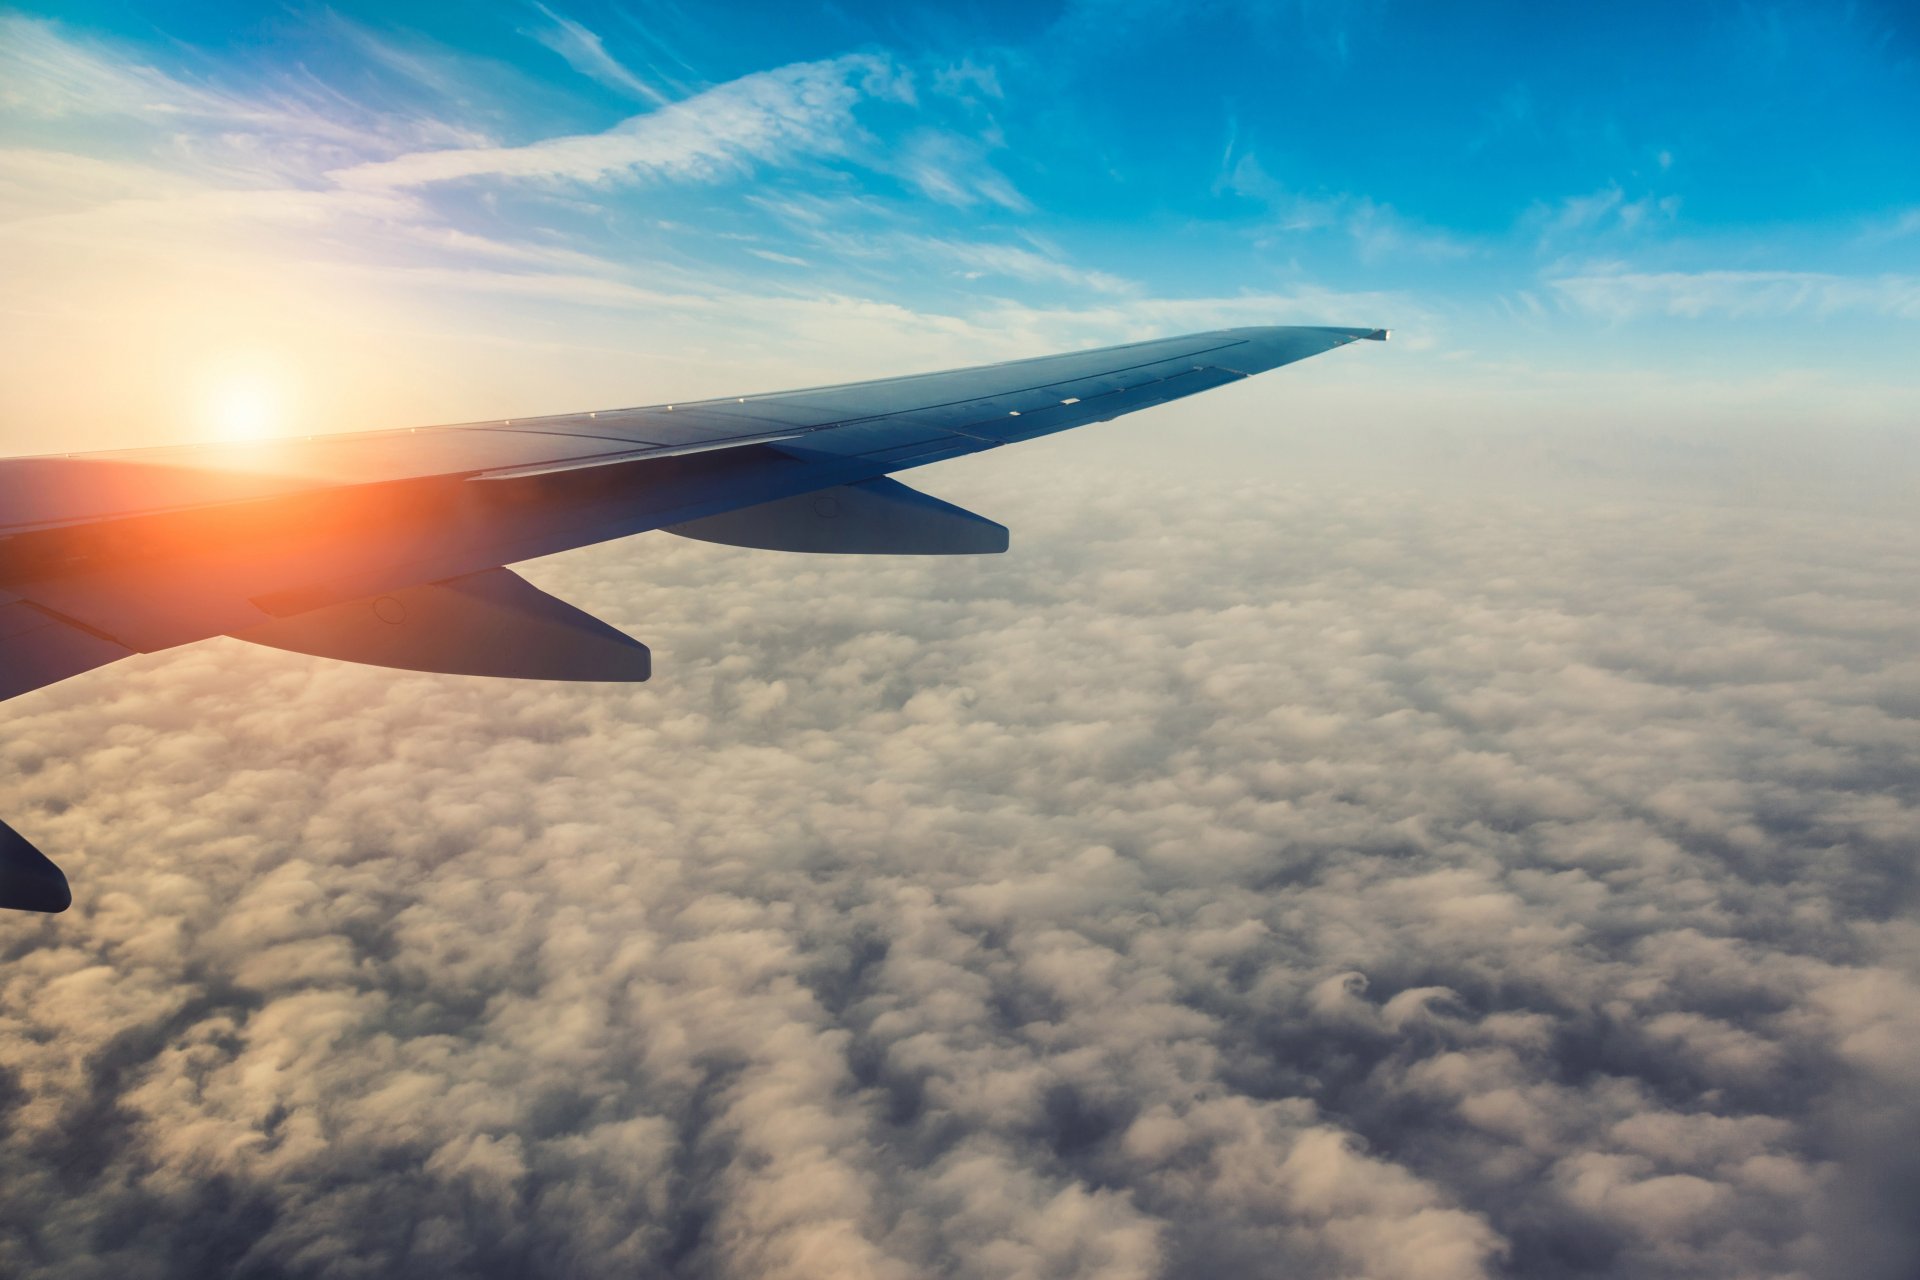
(492, 623)
(873, 517)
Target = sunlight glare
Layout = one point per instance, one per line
(245, 407)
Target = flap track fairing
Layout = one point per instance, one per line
(873, 517)
(491, 623)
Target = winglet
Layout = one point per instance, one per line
(1379, 335)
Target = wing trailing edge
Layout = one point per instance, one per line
(872, 517)
(492, 623)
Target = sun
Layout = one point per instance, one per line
(245, 406)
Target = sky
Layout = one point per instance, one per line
(1444, 810)
(359, 216)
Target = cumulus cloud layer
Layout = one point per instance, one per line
(1248, 880)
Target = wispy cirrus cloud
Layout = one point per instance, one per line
(35, 182)
(49, 73)
(969, 80)
(801, 109)
(1603, 211)
(867, 233)
(1376, 230)
(975, 259)
(1898, 227)
(954, 170)
(1621, 293)
(585, 51)
(1035, 263)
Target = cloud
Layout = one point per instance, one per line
(833, 228)
(1376, 230)
(1901, 225)
(953, 170)
(586, 53)
(801, 109)
(48, 74)
(969, 80)
(784, 259)
(1018, 263)
(58, 196)
(1619, 293)
(36, 183)
(1237, 878)
(1599, 212)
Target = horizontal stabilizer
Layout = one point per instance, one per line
(28, 879)
(873, 517)
(491, 623)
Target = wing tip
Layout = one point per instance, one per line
(1340, 333)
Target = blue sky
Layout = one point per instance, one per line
(1711, 193)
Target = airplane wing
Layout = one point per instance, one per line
(390, 547)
